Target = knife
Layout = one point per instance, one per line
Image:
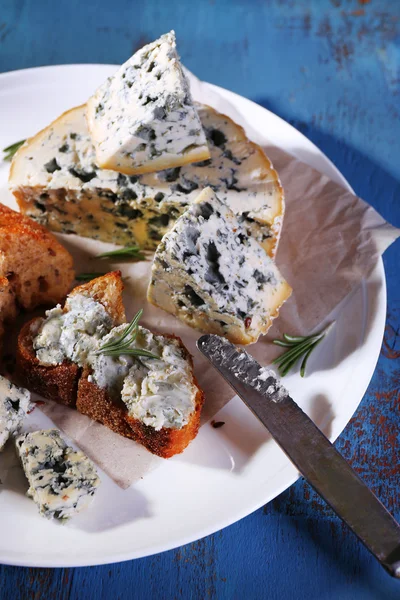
(308, 449)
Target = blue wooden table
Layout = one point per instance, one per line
(332, 69)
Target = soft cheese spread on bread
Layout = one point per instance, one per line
(143, 118)
(160, 392)
(72, 332)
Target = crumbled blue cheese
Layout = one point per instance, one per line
(143, 118)
(60, 185)
(212, 275)
(15, 403)
(62, 482)
(160, 393)
(73, 332)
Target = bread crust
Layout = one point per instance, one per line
(107, 290)
(97, 404)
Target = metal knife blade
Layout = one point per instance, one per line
(308, 449)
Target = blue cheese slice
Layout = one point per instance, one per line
(62, 482)
(143, 119)
(15, 404)
(57, 182)
(213, 276)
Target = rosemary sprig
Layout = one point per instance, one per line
(298, 347)
(121, 345)
(87, 276)
(11, 150)
(133, 251)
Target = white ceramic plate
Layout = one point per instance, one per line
(225, 474)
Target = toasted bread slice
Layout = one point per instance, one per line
(167, 442)
(69, 384)
(58, 383)
(38, 267)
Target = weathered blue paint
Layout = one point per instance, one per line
(332, 69)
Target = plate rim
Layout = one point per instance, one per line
(381, 318)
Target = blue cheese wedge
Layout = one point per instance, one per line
(160, 392)
(15, 404)
(213, 276)
(143, 119)
(57, 182)
(62, 482)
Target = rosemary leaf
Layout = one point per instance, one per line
(122, 344)
(291, 356)
(12, 149)
(128, 251)
(88, 276)
(131, 352)
(282, 343)
(294, 339)
(298, 347)
(131, 329)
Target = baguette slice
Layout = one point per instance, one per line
(143, 119)
(167, 442)
(60, 382)
(77, 387)
(56, 181)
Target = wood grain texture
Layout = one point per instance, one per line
(332, 69)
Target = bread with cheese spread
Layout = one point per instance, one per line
(153, 400)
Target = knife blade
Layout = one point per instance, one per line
(308, 449)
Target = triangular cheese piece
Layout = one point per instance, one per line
(143, 119)
(213, 276)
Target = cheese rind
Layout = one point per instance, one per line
(62, 482)
(143, 119)
(57, 182)
(209, 273)
(15, 404)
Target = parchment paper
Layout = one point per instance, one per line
(331, 240)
